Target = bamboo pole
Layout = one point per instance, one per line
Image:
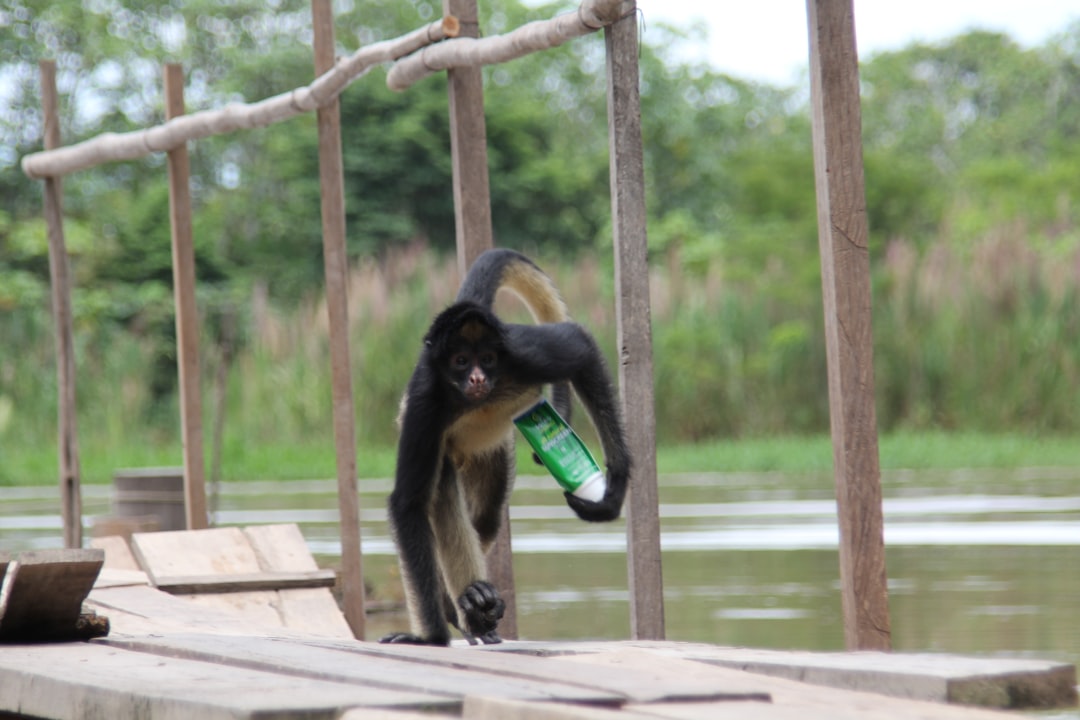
(845, 278)
(60, 280)
(468, 51)
(187, 315)
(111, 147)
(633, 322)
(335, 263)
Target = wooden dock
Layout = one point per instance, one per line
(258, 653)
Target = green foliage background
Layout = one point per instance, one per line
(972, 151)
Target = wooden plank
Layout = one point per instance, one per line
(143, 610)
(793, 700)
(1023, 682)
(221, 552)
(336, 267)
(282, 548)
(845, 279)
(245, 582)
(299, 658)
(60, 282)
(187, 317)
(118, 553)
(492, 708)
(84, 680)
(633, 321)
(44, 595)
(473, 230)
(656, 684)
(990, 682)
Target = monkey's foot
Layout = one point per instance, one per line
(482, 609)
(404, 638)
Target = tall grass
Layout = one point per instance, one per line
(977, 337)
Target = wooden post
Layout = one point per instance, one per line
(472, 221)
(845, 277)
(633, 318)
(336, 265)
(187, 315)
(67, 435)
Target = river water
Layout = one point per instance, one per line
(979, 562)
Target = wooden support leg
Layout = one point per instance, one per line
(845, 278)
(633, 316)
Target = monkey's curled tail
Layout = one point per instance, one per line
(502, 268)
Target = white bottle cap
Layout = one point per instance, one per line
(593, 488)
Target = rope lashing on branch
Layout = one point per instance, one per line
(591, 15)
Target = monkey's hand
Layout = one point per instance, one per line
(605, 510)
(483, 608)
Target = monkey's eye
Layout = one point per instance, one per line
(487, 360)
(461, 360)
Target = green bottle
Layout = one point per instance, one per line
(562, 451)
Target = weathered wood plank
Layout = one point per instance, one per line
(297, 658)
(118, 554)
(80, 680)
(993, 682)
(845, 279)
(283, 548)
(222, 552)
(45, 593)
(633, 684)
(139, 610)
(245, 582)
(216, 551)
(633, 320)
(990, 682)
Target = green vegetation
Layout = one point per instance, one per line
(972, 175)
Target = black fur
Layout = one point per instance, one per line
(455, 459)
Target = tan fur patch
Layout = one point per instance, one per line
(473, 331)
(538, 292)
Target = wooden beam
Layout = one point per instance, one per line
(187, 314)
(532, 37)
(60, 280)
(633, 319)
(245, 582)
(472, 225)
(336, 267)
(845, 278)
(111, 147)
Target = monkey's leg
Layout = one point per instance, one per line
(461, 560)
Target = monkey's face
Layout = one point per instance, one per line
(473, 361)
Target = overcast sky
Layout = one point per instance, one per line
(767, 39)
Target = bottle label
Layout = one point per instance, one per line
(561, 451)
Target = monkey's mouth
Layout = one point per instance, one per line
(478, 392)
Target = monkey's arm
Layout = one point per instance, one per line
(557, 352)
(419, 461)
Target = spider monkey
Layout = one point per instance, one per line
(455, 461)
